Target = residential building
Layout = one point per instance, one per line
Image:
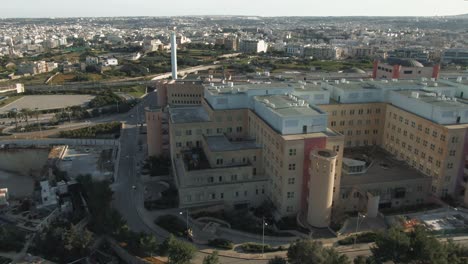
(252, 46)
(324, 52)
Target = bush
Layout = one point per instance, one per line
(11, 239)
(172, 224)
(257, 248)
(93, 131)
(221, 243)
(367, 237)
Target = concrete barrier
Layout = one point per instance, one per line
(61, 141)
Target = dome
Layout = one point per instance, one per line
(404, 62)
(354, 70)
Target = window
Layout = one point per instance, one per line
(432, 146)
(221, 195)
(449, 165)
(291, 180)
(434, 133)
(219, 161)
(239, 129)
(360, 112)
(234, 177)
(413, 124)
(351, 112)
(427, 130)
(213, 196)
(188, 132)
(290, 195)
(210, 179)
(442, 137)
(452, 153)
(292, 152)
(220, 178)
(289, 209)
(292, 166)
(333, 123)
(219, 130)
(179, 144)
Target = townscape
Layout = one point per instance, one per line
(234, 139)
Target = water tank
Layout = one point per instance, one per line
(321, 183)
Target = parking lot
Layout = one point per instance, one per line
(96, 161)
(43, 102)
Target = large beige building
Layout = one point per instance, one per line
(318, 150)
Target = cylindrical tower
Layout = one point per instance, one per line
(154, 131)
(174, 55)
(322, 176)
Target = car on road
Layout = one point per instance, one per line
(67, 159)
(134, 187)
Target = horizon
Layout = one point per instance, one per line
(186, 8)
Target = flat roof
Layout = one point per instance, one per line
(283, 105)
(222, 143)
(327, 133)
(195, 114)
(431, 98)
(244, 87)
(383, 168)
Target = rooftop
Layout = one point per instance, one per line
(181, 115)
(383, 168)
(285, 105)
(221, 143)
(434, 99)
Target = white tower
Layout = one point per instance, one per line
(174, 55)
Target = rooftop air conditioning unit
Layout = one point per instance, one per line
(459, 79)
(343, 80)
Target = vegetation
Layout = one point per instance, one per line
(5, 260)
(135, 91)
(418, 246)
(97, 131)
(157, 166)
(212, 259)
(177, 251)
(409, 209)
(221, 243)
(258, 248)
(11, 238)
(107, 221)
(312, 252)
(169, 199)
(105, 98)
(62, 243)
(172, 224)
(368, 237)
(277, 260)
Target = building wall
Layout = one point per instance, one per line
(154, 131)
(184, 94)
(360, 124)
(386, 71)
(353, 198)
(433, 149)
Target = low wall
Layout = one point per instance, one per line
(61, 141)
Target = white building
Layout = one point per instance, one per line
(253, 46)
(48, 194)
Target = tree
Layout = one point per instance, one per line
(277, 260)
(211, 259)
(180, 252)
(14, 113)
(312, 252)
(417, 246)
(25, 113)
(148, 243)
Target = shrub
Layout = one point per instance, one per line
(172, 224)
(257, 248)
(221, 243)
(367, 237)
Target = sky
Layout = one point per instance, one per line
(93, 8)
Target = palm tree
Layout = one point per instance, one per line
(14, 113)
(26, 112)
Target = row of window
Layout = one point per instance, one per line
(209, 131)
(215, 196)
(187, 95)
(359, 111)
(351, 122)
(185, 102)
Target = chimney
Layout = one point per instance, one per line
(174, 55)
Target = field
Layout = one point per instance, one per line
(72, 77)
(43, 102)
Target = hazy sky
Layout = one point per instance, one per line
(68, 8)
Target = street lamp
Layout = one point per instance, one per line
(186, 220)
(263, 234)
(357, 226)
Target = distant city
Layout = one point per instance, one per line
(214, 139)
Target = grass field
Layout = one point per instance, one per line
(135, 91)
(71, 77)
